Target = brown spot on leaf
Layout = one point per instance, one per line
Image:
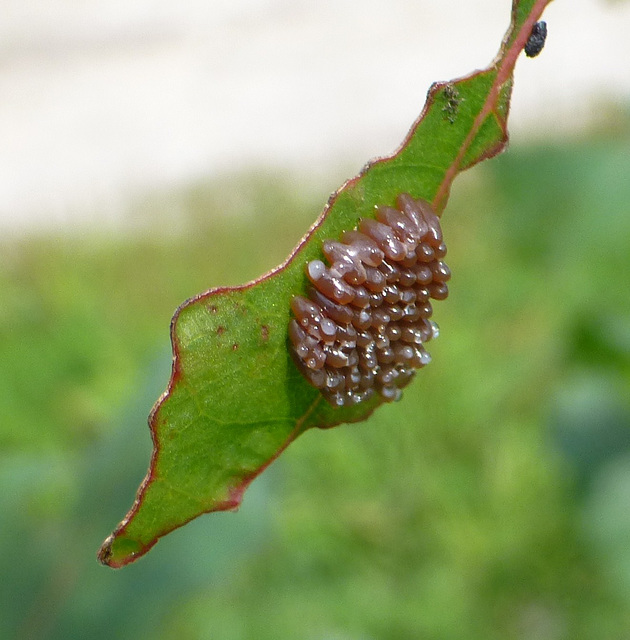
(177, 367)
(220, 331)
(264, 332)
(234, 347)
(212, 308)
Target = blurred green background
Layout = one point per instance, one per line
(491, 503)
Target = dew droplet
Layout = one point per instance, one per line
(316, 269)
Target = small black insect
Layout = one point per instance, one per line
(536, 40)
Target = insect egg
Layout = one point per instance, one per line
(363, 327)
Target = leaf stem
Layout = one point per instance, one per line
(505, 62)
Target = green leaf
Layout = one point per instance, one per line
(235, 399)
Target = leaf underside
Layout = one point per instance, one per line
(235, 399)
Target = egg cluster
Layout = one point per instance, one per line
(366, 320)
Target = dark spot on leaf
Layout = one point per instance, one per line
(220, 331)
(264, 332)
(234, 347)
(453, 100)
(212, 308)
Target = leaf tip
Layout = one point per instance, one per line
(119, 550)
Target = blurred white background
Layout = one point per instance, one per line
(103, 100)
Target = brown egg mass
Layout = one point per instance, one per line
(366, 320)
